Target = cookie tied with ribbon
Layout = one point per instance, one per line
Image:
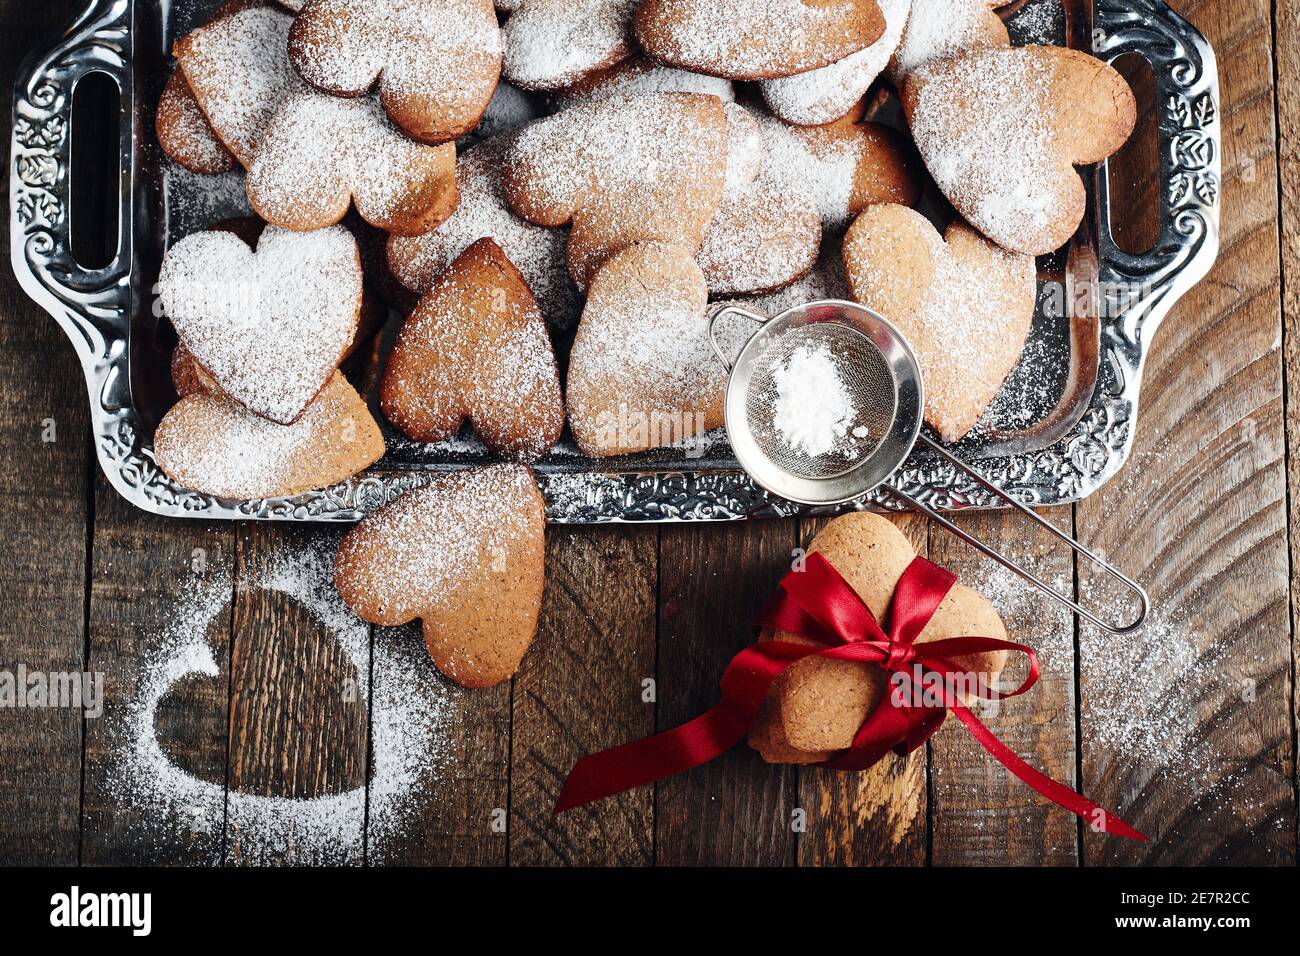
(839, 643)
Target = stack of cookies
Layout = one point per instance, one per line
(621, 166)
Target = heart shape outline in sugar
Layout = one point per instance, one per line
(816, 706)
(466, 554)
(322, 155)
(1001, 131)
(642, 374)
(965, 305)
(270, 325)
(476, 348)
(436, 62)
(213, 445)
(237, 70)
(621, 170)
(553, 44)
(763, 40)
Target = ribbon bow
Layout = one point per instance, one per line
(818, 604)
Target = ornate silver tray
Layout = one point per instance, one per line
(1063, 426)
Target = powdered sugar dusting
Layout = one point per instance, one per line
(996, 164)
(537, 252)
(272, 325)
(238, 69)
(409, 726)
(319, 144)
(554, 43)
(446, 53)
(940, 28)
(821, 173)
(750, 38)
(826, 94)
(642, 76)
(814, 413)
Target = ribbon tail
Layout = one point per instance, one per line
(651, 759)
(1092, 813)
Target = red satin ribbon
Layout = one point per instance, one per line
(818, 604)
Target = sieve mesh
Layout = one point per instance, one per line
(866, 378)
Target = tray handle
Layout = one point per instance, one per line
(1138, 290)
(91, 305)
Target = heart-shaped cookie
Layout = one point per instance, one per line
(213, 445)
(830, 93)
(756, 39)
(271, 325)
(466, 554)
(816, 706)
(641, 373)
(539, 252)
(436, 61)
(937, 29)
(639, 74)
(322, 153)
(237, 68)
(476, 347)
(552, 44)
(622, 170)
(185, 134)
(1002, 129)
(840, 168)
(964, 304)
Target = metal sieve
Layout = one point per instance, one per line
(876, 431)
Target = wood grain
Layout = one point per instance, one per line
(878, 817)
(1199, 515)
(582, 688)
(735, 810)
(1287, 22)
(149, 579)
(981, 814)
(298, 720)
(456, 812)
(45, 522)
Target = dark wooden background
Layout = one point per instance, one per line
(1204, 515)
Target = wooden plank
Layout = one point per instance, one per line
(877, 817)
(1287, 24)
(736, 810)
(44, 519)
(158, 585)
(981, 814)
(454, 810)
(1187, 727)
(298, 721)
(582, 688)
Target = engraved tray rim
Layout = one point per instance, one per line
(93, 306)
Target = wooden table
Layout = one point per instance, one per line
(1204, 514)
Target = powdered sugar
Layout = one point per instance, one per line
(238, 69)
(439, 58)
(537, 252)
(410, 718)
(825, 95)
(752, 39)
(814, 413)
(320, 148)
(820, 172)
(641, 76)
(995, 162)
(413, 556)
(551, 44)
(210, 444)
(272, 325)
(941, 28)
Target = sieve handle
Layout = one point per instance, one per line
(713, 325)
(1144, 603)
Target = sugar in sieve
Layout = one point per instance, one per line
(882, 381)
